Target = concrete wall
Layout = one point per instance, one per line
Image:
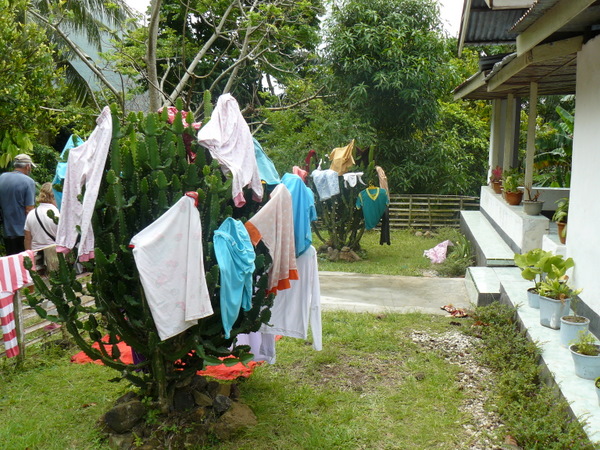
(583, 234)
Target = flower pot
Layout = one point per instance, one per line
(587, 367)
(513, 198)
(532, 208)
(562, 233)
(533, 298)
(551, 310)
(597, 386)
(570, 326)
(496, 186)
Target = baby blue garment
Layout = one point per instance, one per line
(266, 168)
(235, 256)
(61, 167)
(303, 206)
(326, 183)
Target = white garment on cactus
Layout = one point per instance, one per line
(85, 167)
(169, 257)
(228, 138)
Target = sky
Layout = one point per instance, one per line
(451, 10)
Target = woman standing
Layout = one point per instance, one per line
(40, 230)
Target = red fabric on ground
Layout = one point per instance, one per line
(220, 372)
(125, 358)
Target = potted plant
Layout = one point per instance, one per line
(555, 300)
(597, 386)
(586, 356)
(496, 179)
(572, 325)
(510, 186)
(560, 217)
(536, 264)
(531, 205)
(531, 264)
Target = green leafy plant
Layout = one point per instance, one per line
(557, 289)
(511, 182)
(538, 264)
(586, 344)
(562, 210)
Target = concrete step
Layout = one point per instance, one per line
(483, 285)
(490, 248)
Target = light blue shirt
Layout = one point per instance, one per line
(304, 211)
(266, 168)
(235, 256)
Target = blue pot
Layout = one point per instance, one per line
(551, 310)
(569, 330)
(533, 298)
(587, 367)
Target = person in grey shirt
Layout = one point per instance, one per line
(17, 198)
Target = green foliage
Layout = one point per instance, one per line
(531, 410)
(387, 58)
(317, 125)
(260, 45)
(147, 172)
(512, 179)
(586, 344)
(45, 159)
(561, 213)
(28, 74)
(555, 150)
(557, 289)
(531, 264)
(448, 158)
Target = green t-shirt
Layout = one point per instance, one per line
(373, 202)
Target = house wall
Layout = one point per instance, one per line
(583, 234)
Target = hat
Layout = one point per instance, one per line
(23, 159)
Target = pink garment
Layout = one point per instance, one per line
(13, 276)
(294, 308)
(85, 167)
(437, 254)
(300, 172)
(228, 138)
(274, 225)
(187, 138)
(169, 257)
(172, 112)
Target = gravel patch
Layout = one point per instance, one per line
(458, 348)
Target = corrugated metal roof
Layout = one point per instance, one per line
(487, 26)
(534, 13)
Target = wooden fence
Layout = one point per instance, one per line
(428, 211)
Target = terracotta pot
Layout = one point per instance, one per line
(562, 232)
(513, 198)
(497, 186)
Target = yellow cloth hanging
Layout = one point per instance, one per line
(341, 158)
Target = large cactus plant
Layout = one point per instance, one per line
(146, 173)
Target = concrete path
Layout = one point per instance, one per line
(381, 293)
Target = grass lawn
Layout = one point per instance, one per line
(403, 257)
(371, 387)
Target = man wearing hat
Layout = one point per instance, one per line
(17, 198)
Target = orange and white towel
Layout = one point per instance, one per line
(274, 225)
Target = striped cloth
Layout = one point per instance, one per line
(13, 276)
